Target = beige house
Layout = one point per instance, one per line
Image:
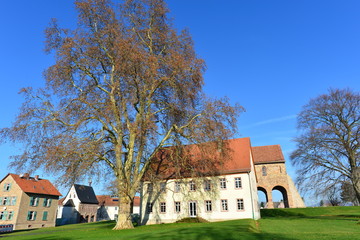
(27, 202)
(230, 194)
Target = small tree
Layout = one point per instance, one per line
(125, 84)
(328, 150)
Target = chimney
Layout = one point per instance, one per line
(36, 177)
(26, 175)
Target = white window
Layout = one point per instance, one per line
(163, 207)
(224, 204)
(207, 185)
(208, 206)
(192, 186)
(177, 207)
(149, 208)
(240, 204)
(222, 183)
(238, 183)
(177, 187)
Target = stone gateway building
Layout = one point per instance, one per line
(271, 175)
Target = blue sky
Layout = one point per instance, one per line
(269, 56)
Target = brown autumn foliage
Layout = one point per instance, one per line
(328, 150)
(125, 84)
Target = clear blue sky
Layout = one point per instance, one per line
(269, 56)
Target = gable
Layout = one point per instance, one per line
(34, 185)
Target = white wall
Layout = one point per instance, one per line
(248, 193)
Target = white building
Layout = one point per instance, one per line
(232, 194)
(109, 207)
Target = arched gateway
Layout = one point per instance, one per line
(271, 175)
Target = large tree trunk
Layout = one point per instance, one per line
(355, 179)
(124, 214)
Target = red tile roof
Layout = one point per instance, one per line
(31, 185)
(267, 154)
(197, 158)
(107, 200)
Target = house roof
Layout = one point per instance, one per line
(34, 185)
(267, 154)
(85, 194)
(205, 159)
(108, 201)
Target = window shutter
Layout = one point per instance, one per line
(45, 216)
(14, 201)
(4, 187)
(44, 203)
(5, 215)
(31, 201)
(35, 215)
(50, 200)
(1, 200)
(29, 215)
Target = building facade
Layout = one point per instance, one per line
(230, 195)
(79, 205)
(27, 202)
(109, 207)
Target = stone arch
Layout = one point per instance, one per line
(284, 194)
(263, 190)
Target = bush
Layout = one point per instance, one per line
(192, 220)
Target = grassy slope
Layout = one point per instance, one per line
(288, 224)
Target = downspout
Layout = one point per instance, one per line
(251, 196)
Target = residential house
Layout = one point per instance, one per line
(230, 193)
(27, 202)
(80, 205)
(109, 207)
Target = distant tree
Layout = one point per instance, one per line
(124, 85)
(328, 150)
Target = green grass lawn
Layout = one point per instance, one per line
(282, 224)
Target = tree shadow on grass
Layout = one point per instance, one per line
(232, 232)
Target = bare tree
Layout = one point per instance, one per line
(328, 149)
(125, 84)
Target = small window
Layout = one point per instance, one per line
(3, 215)
(47, 202)
(13, 201)
(11, 215)
(240, 204)
(222, 183)
(163, 186)
(224, 204)
(149, 187)
(238, 183)
(34, 201)
(192, 186)
(45, 215)
(208, 206)
(149, 208)
(177, 187)
(264, 171)
(207, 185)
(5, 201)
(31, 216)
(177, 207)
(162, 207)
(7, 187)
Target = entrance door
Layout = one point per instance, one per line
(192, 209)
